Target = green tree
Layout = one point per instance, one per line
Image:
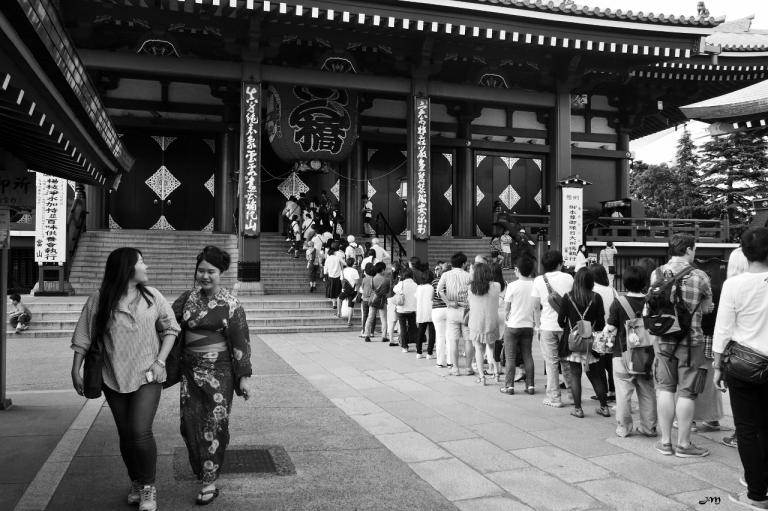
(687, 168)
(734, 172)
(658, 187)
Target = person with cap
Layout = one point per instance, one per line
(353, 251)
(381, 254)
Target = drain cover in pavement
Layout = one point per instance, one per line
(258, 461)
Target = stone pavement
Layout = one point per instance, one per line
(367, 427)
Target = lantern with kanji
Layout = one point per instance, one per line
(311, 123)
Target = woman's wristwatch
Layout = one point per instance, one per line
(160, 363)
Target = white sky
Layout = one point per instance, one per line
(661, 146)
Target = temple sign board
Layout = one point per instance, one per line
(250, 144)
(422, 162)
(51, 219)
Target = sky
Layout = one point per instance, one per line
(660, 147)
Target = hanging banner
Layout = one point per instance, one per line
(250, 164)
(420, 131)
(50, 219)
(573, 214)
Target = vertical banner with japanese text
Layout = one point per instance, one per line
(421, 148)
(573, 211)
(250, 164)
(50, 219)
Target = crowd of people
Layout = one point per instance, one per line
(584, 326)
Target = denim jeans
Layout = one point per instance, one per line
(518, 340)
(749, 402)
(370, 322)
(549, 340)
(134, 414)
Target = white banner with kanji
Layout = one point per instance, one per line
(50, 219)
(573, 213)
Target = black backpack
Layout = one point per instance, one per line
(666, 313)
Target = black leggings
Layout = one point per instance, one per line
(421, 337)
(596, 376)
(134, 414)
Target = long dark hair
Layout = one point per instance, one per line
(118, 272)
(481, 279)
(582, 293)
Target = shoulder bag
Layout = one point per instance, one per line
(553, 298)
(744, 363)
(93, 377)
(580, 339)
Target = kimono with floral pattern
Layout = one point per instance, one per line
(209, 379)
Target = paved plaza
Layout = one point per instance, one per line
(366, 427)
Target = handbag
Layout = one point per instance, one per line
(580, 338)
(93, 377)
(744, 363)
(602, 343)
(399, 299)
(553, 298)
(173, 362)
(346, 310)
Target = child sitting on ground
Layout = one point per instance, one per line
(20, 316)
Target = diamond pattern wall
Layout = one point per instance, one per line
(209, 185)
(293, 185)
(162, 225)
(479, 159)
(164, 142)
(509, 197)
(449, 195)
(538, 198)
(449, 157)
(162, 182)
(336, 189)
(479, 196)
(371, 190)
(509, 162)
(112, 224)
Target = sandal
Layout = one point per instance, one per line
(201, 499)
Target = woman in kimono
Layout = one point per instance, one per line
(216, 363)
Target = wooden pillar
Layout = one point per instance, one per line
(224, 206)
(464, 182)
(5, 403)
(560, 167)
(249, 225)
(357, 186)
(622, 183)
(419, 160)
(96, 205)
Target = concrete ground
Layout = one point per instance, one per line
(366, 426)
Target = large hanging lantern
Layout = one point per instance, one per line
(311, 123)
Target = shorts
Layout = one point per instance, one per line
(674, 372)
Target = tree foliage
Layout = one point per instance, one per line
(658, 187)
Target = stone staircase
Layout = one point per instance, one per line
(281, 273)
(56, 317)
(441, 249)
(170, 256)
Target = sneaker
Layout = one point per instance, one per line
(148, 501)
(134, 493)
(441, 365)
(604, 411)
(622, 431)
(665, 449)
(650, 433)
(431, 356)
(405, 350)
(507, 390)
(419, 356)
(367, 339)
(711, 425)
(530, 390)
(578, 413)
(470, 372)
(729, 441)
(691, 451)
(743, 500)
(520, 376)
(453, 372)
(394, 344)
(554, 403)
(384, 339)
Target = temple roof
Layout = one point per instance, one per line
(571, 8)
(747, 102)
(738, 36)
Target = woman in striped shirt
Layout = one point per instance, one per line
(126, 317)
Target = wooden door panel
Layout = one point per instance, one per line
(441, 206)
(132, 205)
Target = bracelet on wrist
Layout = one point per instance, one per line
(159, 362)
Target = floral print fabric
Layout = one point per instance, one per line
(209, 379)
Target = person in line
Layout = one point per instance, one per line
(634, 279)
(405, 292)
(314, 255)
(20, 316)
(520, 316)
(295, 236)
(439, 318)
(367, 215)
(126, 317)
(583, 303)
(505, 243)
(370, 257)
(350, 280)
(307, 230)
(453, 289)
(216, 362)
(353, 251)
(333, 269)
(581, 258)
(424, 294)
(678, 361)
(549, 329)
(365, 292)
(381, 286)
(381, 254)
(483, 299)
(743, 318)
(609, 295)
(737, 264)
(607, 258)
(290, 210)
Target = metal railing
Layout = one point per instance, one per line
(384, 231)
(655, 229)
(75, 228)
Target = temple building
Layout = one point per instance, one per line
(205, 115)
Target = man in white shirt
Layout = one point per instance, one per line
(381, 254)
(453, 288)
(549, 330)
(607, 258)
(520, 315)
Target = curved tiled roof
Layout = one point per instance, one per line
(749, 101)
(564, 7)
(737, 35)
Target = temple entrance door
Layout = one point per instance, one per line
(442, 193)
(505, 184)
(170, 187)
(386, 168)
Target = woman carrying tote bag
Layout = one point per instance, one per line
(124, 319)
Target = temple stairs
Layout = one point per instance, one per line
(170, 257)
